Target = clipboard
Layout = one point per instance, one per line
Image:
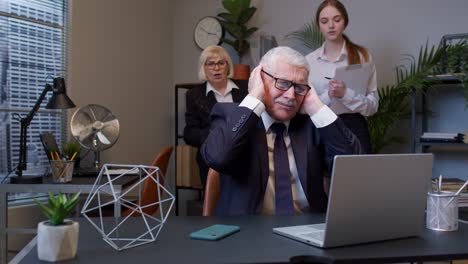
(355, 76)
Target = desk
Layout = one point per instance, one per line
(83, 185)
(255, 243)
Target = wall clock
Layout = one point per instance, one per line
(208, 31)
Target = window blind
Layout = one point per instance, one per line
(33, 36)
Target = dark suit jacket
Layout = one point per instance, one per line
(197, 122)
(198, 108)
(237, 148)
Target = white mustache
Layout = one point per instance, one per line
(286, 102)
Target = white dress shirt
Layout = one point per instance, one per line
(322, 118)
(227, 97)
(321, 67)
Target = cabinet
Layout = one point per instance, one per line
(442, 109)
(179, 110)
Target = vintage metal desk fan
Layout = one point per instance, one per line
(96, 128)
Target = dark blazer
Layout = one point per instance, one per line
(197, 122)
(237, 148)
(198, 108)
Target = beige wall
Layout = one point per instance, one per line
(388, 28)
(120, 57)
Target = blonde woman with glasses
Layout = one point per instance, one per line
(215, 69)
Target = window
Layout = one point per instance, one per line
(32, 52)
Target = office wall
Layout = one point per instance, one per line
(120, 58)
(388, 28)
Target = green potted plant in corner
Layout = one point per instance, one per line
(234, 22)
(57, 238)
(394, 100)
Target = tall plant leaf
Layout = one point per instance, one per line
(394, 104)
(309, 35)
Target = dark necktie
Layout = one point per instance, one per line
(283, 193)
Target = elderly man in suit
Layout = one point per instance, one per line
(273, 148)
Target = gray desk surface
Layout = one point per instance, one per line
(78, 184)
(255, 243)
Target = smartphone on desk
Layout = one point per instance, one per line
(214, 232)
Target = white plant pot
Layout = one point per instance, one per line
(56, 243)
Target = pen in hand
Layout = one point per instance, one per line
(328, 78)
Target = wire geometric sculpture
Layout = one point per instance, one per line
(144, 228)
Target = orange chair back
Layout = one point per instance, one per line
(211, 193)
(149, 193)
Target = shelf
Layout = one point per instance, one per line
(182, 88)
(446, 78)
(443, 144)
(186, 85)
(199, 188)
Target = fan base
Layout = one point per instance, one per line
(26, 180)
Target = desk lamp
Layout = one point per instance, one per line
(59, 100)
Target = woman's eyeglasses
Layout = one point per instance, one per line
(284, 85)
(213, 64)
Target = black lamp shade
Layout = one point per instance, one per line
(59, 99)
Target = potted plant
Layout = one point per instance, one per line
(57, 238)
(234, 22)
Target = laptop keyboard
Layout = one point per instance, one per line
(317, 235)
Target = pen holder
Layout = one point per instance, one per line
(442, 211)
(62, 170)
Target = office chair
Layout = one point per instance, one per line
(211, 193)
(149, 192)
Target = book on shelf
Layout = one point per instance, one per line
(442, 137)
(187, 169)
(453, 185)
(450, 185)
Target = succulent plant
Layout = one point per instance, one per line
(60, 206)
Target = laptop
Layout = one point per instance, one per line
(372, 198)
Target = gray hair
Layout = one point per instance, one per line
(211, 51)
(284, 54)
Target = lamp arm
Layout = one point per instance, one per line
(25, 122)
(22, 154)
(34, 110)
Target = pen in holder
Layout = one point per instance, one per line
(62, 170)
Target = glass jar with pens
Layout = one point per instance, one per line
(442, 207)
(62, 168)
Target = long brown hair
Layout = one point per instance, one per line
(352, 48)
